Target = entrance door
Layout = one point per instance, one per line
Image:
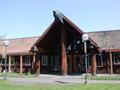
(69, 64)
(77, 63)
(57, 64)
(83, 64)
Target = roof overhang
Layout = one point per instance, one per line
(52, 33)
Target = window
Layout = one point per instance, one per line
(99, 61)
(44, 60)
(0, 61)
(88, 60)
(52, 59)
(27, 60)
(116, 57)
(16, 62)
(57, 60)
(57, 63)
(12, 60)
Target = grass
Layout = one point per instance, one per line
(90, 77)
(6, 85)
(110, 77)
(17, 75)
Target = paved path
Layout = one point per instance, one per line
(57, 79)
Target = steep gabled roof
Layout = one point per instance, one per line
(107, 40)
(19, 45)
(55, 28)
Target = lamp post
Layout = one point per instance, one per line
(5, 43)
(85, 38)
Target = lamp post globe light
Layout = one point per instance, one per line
(85, 38)
(5, 43)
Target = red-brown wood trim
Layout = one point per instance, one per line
(93, 67)
(63, 53)
(43, 35)
(37, 65)
(111, 63)
(21, 64)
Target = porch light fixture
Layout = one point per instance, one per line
(85, 38)
(5, 43)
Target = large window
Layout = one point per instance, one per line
(12, 60)
(89, 63)
(116, 58)
(99, 61)
(27, 60)
(16, 61)
(1, 61)
(44, 60)
(57, 63)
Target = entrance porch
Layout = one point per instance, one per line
(60, 49)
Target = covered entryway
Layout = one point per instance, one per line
(59, 45)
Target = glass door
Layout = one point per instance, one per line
(57, 63)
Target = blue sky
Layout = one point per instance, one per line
(27, 18)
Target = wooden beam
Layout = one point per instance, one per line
(108, 62)
(21, 64)
(43, 50)
(37, 65)
(93, 68)
(33, 63)
(9, 63)
(63, 53)
(111, 63)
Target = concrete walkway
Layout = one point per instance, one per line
(56, 79)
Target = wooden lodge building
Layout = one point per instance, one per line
(60, 49)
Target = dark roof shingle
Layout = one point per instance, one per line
(106, 39)
(19, 45)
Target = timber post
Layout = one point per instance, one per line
(63, 52)
(93, 68)
(111, 63)
(21, 64)
(38, 64)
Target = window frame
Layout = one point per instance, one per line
(101, 60)
(1, 61)
(27, 60)
(114, 58)
(57, 63)
(13, 61)
(44, 60)
(88, 60)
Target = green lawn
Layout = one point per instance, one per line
(5, 85)
(17, 75)
(90, 77)
(111, 77)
